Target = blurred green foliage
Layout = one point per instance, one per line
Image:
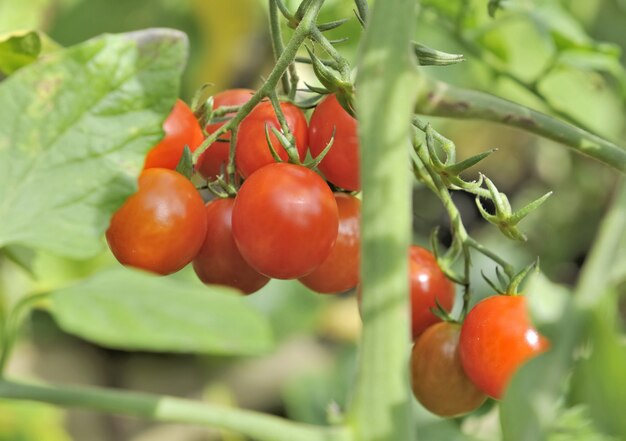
(550, 55)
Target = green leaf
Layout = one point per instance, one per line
(128, 309)
(75, 127)
(18, 50)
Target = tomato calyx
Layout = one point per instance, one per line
(506, 285)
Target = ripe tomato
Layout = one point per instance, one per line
(285, 220)
(496, 338)
(212, 162)
(219, 260)
(340, 271)
(252, 149)
(437, 377)
(159, 228)
(427, 283)
(181, 129)
(341, 164)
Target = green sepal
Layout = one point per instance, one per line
(518, 278)
(331, 25)
(185, 163)
(432, 57)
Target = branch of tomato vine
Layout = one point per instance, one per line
(286, 58)
(170, 409)
(11, 326)
(456, 31)
(441, 99)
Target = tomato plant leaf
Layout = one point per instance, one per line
(17, 50)
(75, 127)
(133, 310)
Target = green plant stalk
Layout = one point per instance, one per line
(170, 409)
(441, 99)
(386, 81)
(277, 41)
(287, 57)
(11, 326)
(594, 278)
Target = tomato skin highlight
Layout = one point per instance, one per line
(341, 164)
(159, 228)
(252, 149)
(340, 271)
(219, 260)
(181, 128)
(285, 220)
(427, 283)
(213, 161)
(438, 380)
(497, 337)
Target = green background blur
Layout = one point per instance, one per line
(313, 367)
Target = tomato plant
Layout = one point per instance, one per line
(497, 337)
(219, 260)
(160, 228)
(181, 129)
(214, 160)
(285, 220)
(437, 377)
(252, 151)
(428, 285)
(341, 164)
(340, 271)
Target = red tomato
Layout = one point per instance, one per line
(497, 337)
(159, 228)
(341, 164)
(428, 283)
(437, 377)
(214, 160)
(285, 220)
(181, 129)
(219, 260)
(252, 149)
(340, 271)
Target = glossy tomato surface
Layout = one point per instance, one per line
(427, 283)
(160, 228)
(181, 129)
(340, 271)
(214, 160)
(252, 149)
(285, 220)
(437, 377)
(219, 260)
(341, 164)
(497, 337)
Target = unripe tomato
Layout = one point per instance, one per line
(285, 220)
(181, 129)
(340, 271)
(497, 337)
(160, 228)
(213, 161)
(252, 149)
(427, 283)
(219, 260)
(437, 377)
(341, 164)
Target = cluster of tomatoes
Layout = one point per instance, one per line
(454, 367)
(286, 223)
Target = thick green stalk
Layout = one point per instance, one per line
(441, 99)
(177, 410)
(385, 85)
